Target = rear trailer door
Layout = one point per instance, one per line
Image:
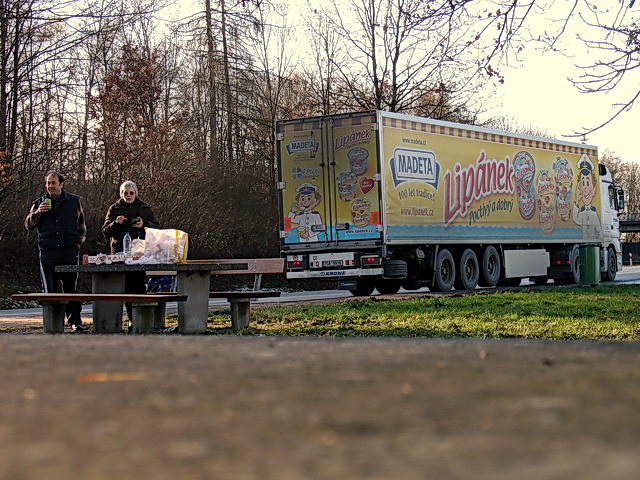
(355, 177)
(329, 178)
(303, 184)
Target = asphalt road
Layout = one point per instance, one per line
(224, 407)
(33, 315)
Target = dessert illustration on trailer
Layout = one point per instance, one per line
(358, 160)
(564, 187)
(545, 188)
(360, 212)
(524, 169)
(303, 215)
(347, 186)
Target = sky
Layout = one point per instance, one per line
(538, 94)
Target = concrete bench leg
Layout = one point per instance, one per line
(240, 312)
(144, 315)
(159, 313)
(53, 314)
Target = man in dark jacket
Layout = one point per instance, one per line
(59, 219)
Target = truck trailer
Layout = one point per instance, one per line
(385, 200)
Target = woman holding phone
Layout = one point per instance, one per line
(128, 215)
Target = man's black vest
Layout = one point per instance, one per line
(58, 228)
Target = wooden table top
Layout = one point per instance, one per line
(158, 267)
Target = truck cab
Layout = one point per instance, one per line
(612, 200)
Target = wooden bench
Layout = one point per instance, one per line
(144, 306)
(255, 266)
(240, 300)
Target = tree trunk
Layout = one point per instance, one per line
(4, 32)
(227, 87)
(214, 163)
(84, 145)
(15, 83)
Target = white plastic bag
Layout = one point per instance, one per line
(166, 245)
(137, 247)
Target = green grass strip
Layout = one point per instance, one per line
(595, 313)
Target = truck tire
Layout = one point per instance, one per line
(444, 272)
(468, 271)
(395, 269)
(609, 274)
(574, 275)
(388, 287)
(363, 288)
(490, 268)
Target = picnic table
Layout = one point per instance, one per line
(192, 279)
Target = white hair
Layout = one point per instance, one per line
(128, 185)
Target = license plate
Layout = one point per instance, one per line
(332, 263)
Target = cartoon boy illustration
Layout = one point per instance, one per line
(302, 212)
(586, 188)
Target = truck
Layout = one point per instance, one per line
(382, 200)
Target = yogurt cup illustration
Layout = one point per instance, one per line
(360, 212)
(564, 187)
(524, 169)
(545, 188)
(347, 186)
(358, 160)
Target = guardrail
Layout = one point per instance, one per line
(629, 217)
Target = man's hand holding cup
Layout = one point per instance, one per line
(45, 206)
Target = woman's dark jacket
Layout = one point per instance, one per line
(116, 231)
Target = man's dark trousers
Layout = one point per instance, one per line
(51, 258)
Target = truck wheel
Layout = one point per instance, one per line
(468, 271)
(388, 287)
(363, 288)
(445, 272)
(574, 274)
(490, 268)
(609, 274)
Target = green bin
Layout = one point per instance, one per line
(589, 264)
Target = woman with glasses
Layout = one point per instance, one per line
(128, 215)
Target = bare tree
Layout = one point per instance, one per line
(626, 175)
(610, 38)
(398, 52)
(322, 73)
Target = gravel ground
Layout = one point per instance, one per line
(178, 407)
